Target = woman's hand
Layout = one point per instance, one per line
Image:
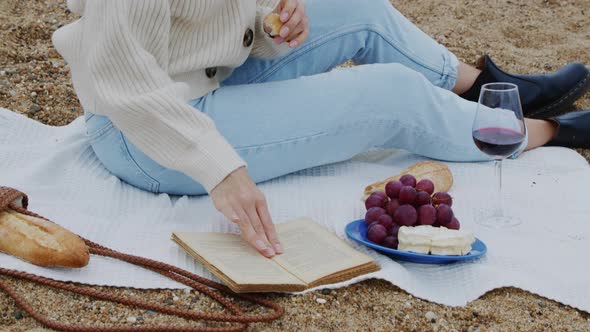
(295, 29)
(238, 198)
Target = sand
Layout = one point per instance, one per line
(526, 37)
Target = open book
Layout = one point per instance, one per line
(312, 256)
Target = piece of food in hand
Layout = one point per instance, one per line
(377, 233)
(406, 215)
(444, 214)
(274, 24)
(436, 172)
(422, 198)
(40, 242)
(392, 188)
(425, 185)
(373, 214)
(407, 195)
(436, 241)
(451, 242)
(375, 200)
(442, 198)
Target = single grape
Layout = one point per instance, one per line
(390, 242)
(375, 201)
(425, 185)
(377, 233)
(408, 180)
(394, 230)
(406, 215)
(442, 198)
(392, 206)
(392, 188)
(422, 198)
(426, 215)
(407, 195)
(386, 221)
(381, 194)
(454, 224)
(373, 214)
(444, 214)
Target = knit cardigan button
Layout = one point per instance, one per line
(211, 72)
(248, 38)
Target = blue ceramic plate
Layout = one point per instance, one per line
(357, 231)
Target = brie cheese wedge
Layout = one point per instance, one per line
(435, 240)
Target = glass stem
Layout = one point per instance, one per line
(499, 200)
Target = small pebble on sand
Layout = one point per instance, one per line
(131, 319)
(320, 300)
(34, 109)
(431, 316)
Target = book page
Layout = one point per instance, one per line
(312, 252)
(235, 258)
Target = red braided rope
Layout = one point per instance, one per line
(208, 287)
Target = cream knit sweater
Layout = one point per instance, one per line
(140, 61)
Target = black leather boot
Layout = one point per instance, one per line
(542, 96)
(573, 130)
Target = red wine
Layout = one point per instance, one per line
(497, 142)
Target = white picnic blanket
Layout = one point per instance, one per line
(547, 188)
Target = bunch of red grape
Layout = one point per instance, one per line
(406, 202)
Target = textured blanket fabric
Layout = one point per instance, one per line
(547, 188)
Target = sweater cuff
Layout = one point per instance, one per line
(264, 46)
(211, 166)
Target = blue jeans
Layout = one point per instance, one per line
(293, 113)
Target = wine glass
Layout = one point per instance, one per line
(498, 131)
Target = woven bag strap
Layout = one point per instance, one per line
(236, 319)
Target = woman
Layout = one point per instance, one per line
(179, 95)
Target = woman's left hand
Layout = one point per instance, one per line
(295, 28)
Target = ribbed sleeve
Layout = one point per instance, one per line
(126, 64)
(264, 47)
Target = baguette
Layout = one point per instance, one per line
(40, 242)
(436, 172)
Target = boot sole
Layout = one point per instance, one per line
(560, 106)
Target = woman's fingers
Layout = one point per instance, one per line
(269, 227)
(257, 224)
(294, 18)
(299, 40)
(238, 198)
(287, 9)
(251, 235)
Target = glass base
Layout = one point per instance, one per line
(499, 222)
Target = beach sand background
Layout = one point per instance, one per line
(522, 36)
